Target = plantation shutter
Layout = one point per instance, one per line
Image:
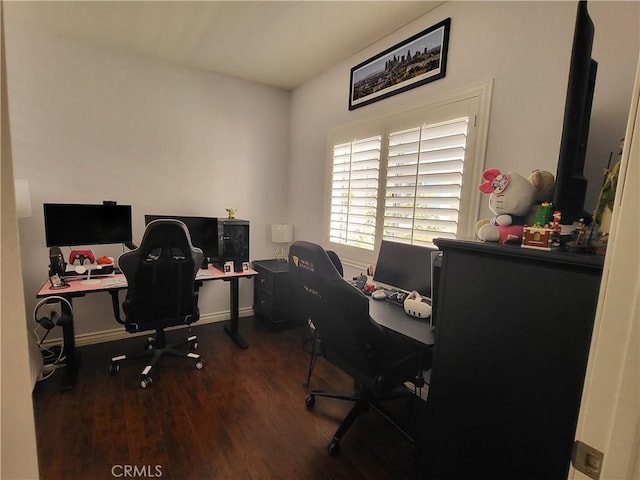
(424, 182)
(354, 192)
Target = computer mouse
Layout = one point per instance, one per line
(379, 294)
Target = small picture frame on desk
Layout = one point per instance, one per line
(245, 266)
(228, 267)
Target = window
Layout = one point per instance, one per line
(409, 177)
(354, 192)
(424, 182)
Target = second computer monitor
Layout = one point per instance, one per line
(404, 267)
(221, 240)
(203, 231)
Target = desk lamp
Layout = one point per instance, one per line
(281, 234)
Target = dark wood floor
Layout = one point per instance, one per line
(242, 416)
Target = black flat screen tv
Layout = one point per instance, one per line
(69, 225)
(571, 184)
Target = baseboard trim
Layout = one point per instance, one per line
(120, 333)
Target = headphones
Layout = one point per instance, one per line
(49, 322)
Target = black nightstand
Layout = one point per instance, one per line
(272, 298)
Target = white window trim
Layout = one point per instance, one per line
(481, 95)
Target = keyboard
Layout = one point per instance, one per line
(396, 298)
(114, 282)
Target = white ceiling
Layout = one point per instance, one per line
(281, 44)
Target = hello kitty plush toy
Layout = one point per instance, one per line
(511, 197)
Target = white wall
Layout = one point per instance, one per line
(92, 124)
(525, 47)
(17, 440)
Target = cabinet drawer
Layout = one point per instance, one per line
(264, 281)
(263, 304)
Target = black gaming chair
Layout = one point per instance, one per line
(162, 292)
(380, 361)
(316, 343)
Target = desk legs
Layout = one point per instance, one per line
(232, 327)
(70, 371)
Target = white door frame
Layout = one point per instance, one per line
(609, 419)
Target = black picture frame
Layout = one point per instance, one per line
(397, 70)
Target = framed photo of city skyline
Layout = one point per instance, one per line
(418, 60)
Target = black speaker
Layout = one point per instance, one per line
(233, 243)
(57, 267)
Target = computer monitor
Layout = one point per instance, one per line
(405, 267)
(203, 231)
(69, 225)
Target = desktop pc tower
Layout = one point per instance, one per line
(233, 243)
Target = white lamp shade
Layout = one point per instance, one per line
(23, 199)
(281, 233)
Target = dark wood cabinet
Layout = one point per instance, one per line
(272, 299)
(512, 340)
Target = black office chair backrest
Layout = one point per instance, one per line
(339, 312)
(160, 274)
(335, 259)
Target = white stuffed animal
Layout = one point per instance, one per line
(511, 197)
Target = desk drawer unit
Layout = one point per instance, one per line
(272, 292)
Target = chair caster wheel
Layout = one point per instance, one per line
(199, 364)
(145, 382)
(114, 368)
(334, 447)
(150, 343)
(310, 401)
